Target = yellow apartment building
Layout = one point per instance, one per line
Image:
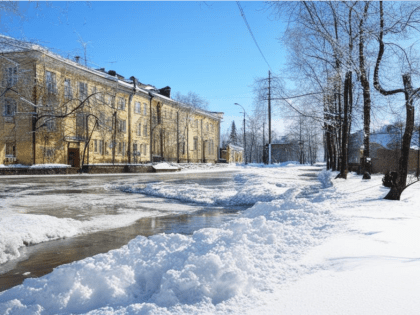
(58, 111)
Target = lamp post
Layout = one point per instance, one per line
(244, 132)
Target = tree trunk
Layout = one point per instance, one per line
(395, 192)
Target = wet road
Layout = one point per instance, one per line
(86, 197)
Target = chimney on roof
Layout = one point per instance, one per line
(77, 59)
(166, 91)
(112, 72)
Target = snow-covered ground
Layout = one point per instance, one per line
(342, 250)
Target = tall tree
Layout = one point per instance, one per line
(233, 137)
(409, 93)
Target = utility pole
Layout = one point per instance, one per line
(263, 146)
(269, 117)
(244, 132)
(269, 107)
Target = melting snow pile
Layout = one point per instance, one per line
(176, 273)
(18, 230)
(246, 189)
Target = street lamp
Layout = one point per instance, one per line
(244, 132)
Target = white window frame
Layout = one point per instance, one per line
(83, 90)
(11, 75)
(121, 103)
(68, 93)
(137, 107)
(51, 82)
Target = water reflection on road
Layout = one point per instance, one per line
(85, 197)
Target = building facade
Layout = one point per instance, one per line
(232, 154)
(55, 110)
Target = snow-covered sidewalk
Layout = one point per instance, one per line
(343, 250)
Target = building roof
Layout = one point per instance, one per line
(12, 45)
(235, 147)
(386, 137)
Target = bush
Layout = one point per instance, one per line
(389, 180)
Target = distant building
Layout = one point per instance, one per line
(232, 154)
(284, 150)
(385, 149)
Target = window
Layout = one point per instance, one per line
(9, 107)
(95, 145)
(183, 148)
(51, 82)
(170, 114)
(145, 130)
(121, 126)
(102, 119)
(68, 93)
(83, 90)
(195, 144)
(48, 152)
(110, 101)
(50, 124)
(137, 108)
(134, 147)
(94, 93)
(106, 148)
(119, 147)
(11, 76)
(139, 129)
(123, 149)
(195, 123)
(10, 149)
(81, 125)
(207, 127)
(144, 109)
(159, 114)
(145, 149)
(121, 103)
(101, 147)
(211, 127)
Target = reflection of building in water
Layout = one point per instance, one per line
(56, 110)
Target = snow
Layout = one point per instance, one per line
(17, 230)
(164, 166)
(341, 250)
(37, 166)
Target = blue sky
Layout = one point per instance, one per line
(202, 47)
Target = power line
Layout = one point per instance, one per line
(250, 31)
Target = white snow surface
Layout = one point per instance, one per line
(164, 166)
(35, 166)
(344, 250)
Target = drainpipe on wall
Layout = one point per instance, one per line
(218, 145)
(177, 136)
(34, 123)
(130, 98)
(150, 126)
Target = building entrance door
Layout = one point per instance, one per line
(74, 157)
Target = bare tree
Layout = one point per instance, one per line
(410, 94)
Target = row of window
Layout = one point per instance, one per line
(100, 147)
(208, 127)
(208, 145)
(51, 86)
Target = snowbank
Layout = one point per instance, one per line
(37, 166)
(164, 166)
(18, 230)
(253, 185)
(202, 273)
